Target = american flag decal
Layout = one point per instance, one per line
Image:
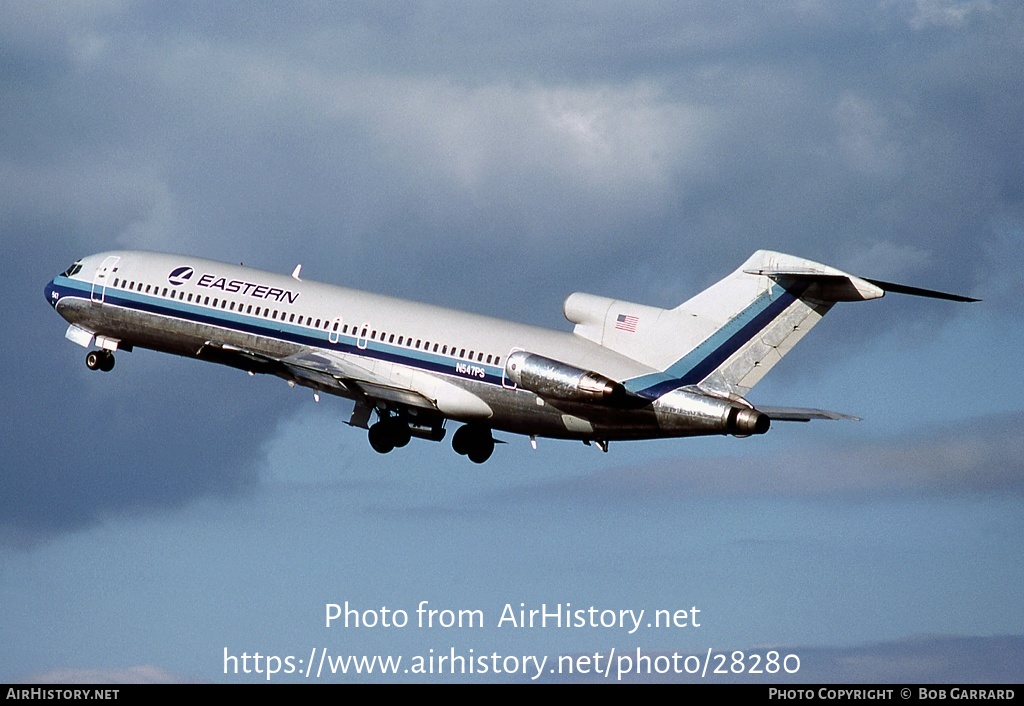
(625, 322)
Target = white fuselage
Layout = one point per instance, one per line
(181, 305)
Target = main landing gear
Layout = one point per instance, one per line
(474, 441)
(100, 360)
(389, 433)
(393, 432)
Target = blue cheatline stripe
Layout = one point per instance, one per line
(269, 328)
(719, 346)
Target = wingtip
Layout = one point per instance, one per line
(919, 291)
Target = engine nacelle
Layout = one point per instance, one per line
(685, 411)
(743, 421)
(553, 379)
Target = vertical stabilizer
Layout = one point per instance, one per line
(726, 338)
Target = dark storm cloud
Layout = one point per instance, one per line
(77, 448)
(634, 148)
(982, 457)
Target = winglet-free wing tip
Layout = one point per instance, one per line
(919, 292)
(803, 414)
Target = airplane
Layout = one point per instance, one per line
(626, 371)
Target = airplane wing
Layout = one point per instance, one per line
(318, 365)
(340, 374)
(801, 414)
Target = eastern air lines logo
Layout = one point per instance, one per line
(180, 276)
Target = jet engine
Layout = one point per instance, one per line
(685, 411)
(553, 379)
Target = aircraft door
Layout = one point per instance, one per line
(361, 337)
(335, 332)
(102, 277)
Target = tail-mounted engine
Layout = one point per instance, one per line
(686, 411)
(554, 380)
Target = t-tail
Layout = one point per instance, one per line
(725, 339)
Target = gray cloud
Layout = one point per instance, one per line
(155, 434)
(139, 674)
(465, 128)
(984, 456)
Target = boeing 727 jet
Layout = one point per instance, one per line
(626, 371)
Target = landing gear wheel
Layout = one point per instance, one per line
(100, 360)
(380, 438)
(483, 451)
(473, 441)
(462, 440)
(399, 431)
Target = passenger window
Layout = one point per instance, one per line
(392, 339)
(215, 302)
(462, 353)
(497, 361)
(435, 348)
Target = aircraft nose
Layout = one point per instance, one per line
(51, 294)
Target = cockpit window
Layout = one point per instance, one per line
(74, 269)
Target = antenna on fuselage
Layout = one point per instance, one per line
(296, 271)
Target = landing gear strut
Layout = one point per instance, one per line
(100, 360)
(473, 441)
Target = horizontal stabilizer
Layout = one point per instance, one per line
(802, 414)
(918, 292)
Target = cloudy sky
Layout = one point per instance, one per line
(496, 157)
